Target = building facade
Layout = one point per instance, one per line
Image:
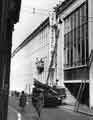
(76, 47)
(74, 65)
(78, 50)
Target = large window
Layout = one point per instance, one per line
(76, 38)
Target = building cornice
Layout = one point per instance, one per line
(61, 8)
(31, 36)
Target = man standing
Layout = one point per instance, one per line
(40, 103)
(22, 100)
(38, 100)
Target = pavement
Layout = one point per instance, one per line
(70, 103)
(47, 114)
(83, 109)
(67, 104)
(28, 114)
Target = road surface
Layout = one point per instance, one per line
(46, 114)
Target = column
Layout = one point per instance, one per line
(90, 38)
(60, 55)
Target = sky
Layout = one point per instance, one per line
(27, 23)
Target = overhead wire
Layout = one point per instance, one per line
(35, 11)
(46, 13)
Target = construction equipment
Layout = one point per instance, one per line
(52, 96)
(52, 61)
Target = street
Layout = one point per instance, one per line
(14, 113)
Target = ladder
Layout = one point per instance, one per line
(52, 61)
(83, 84)
(90, 59)
(79, 95)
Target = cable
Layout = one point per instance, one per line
(34, 12)
(46, 10)
(47, 14)
(31, 7)
(36, 9)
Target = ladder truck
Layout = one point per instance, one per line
(52, 94)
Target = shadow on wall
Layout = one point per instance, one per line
(74, 89)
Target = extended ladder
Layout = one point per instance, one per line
(90, 59)
(79, 95)
(83, 83)
(52, 61)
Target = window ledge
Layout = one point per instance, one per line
(75, 67)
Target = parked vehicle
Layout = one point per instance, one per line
(52, 96)
(61, 91)
(51, 99)
(35, 94)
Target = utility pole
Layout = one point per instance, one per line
(7, 21)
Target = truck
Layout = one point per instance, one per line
(53, 96)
